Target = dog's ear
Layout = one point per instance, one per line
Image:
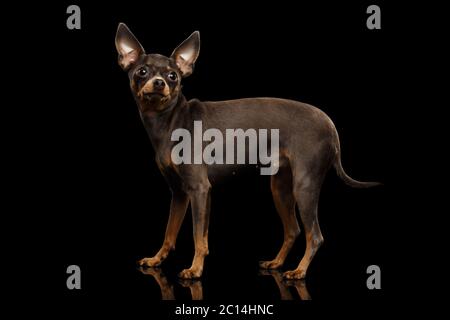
(186, 53)
(127, 46)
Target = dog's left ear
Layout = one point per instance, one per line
(186, 53)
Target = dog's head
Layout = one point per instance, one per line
(155, 79)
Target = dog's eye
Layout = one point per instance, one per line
(172, 76)
(142, 72)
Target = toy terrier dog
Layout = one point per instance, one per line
(308, 147)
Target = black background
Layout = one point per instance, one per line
(105, 205)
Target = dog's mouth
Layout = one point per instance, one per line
(154, 96)
(155, 101)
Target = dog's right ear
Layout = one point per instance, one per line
(127, 46)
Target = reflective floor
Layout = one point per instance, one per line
(196, 287)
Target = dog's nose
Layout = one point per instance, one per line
(158, 84)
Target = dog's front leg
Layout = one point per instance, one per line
(200, 204)
(178, 207)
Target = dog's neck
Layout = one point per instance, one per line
(159, 125)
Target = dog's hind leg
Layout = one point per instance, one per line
(306, 192)
(281, 185)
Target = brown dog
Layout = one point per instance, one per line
(308, 147)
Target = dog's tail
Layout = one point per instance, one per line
(344, 176)
(350, 181)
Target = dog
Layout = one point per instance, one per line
(308, 147)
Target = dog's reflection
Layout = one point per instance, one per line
(167, 293)
(283, 285)
(165, 286)
(196, 288)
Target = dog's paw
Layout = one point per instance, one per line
(149, 262)
(190, 273)
(294, 274)
(273, 264)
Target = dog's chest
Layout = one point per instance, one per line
(164, 160)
